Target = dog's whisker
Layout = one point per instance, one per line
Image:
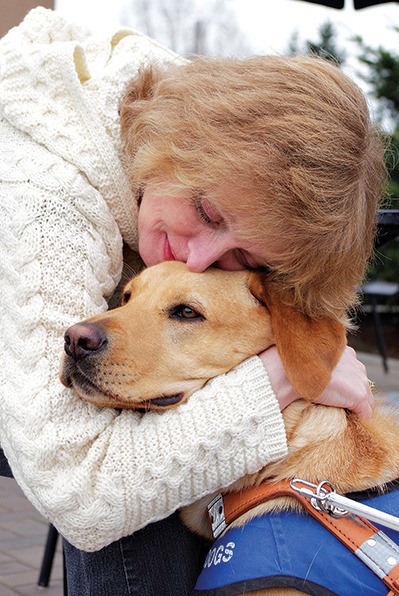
(129, 272)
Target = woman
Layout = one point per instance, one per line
(72, 193)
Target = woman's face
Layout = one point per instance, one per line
(191, 229)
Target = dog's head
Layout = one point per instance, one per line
(176, 330)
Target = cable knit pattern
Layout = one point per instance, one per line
(65, 206)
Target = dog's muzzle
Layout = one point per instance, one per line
(84, 346)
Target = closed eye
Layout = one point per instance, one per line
(207, 212)
(183, 312)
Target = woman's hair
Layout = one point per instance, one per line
(291, 137)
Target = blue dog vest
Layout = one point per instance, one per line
(290, 549)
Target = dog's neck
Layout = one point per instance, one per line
(337, 445)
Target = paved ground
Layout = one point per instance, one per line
(23, 531)
(22, 538)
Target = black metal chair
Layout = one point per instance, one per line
(379, 290)
(388, 226)
(48, 559)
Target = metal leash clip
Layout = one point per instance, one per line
(324, 497)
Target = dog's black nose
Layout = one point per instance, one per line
(83, 339)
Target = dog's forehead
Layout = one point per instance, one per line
(173, 280)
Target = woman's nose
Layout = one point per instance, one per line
(203, 254)
(198, 263)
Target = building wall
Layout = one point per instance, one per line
(12, 12)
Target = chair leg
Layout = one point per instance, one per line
(48, 557)
(379, 334)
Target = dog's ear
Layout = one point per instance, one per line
(309, 348)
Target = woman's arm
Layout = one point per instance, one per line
(349, 387)
(100, 474)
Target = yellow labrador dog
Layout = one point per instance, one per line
(176, 330)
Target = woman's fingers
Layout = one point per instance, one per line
(349, 386)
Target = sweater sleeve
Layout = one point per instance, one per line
(100, 474)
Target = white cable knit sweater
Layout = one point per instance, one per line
(65, 206)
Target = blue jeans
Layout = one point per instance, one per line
(5, 469)
(162, 559)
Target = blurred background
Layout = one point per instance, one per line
(361, 35)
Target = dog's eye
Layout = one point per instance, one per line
(182, 311)
(125, 297)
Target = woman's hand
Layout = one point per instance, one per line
(349, 386)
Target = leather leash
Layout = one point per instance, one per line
(362, 538)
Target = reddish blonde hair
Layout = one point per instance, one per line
(294, 136)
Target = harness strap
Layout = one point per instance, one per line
(361, 537)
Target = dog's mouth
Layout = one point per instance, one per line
(164, 401)
(88, 390)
